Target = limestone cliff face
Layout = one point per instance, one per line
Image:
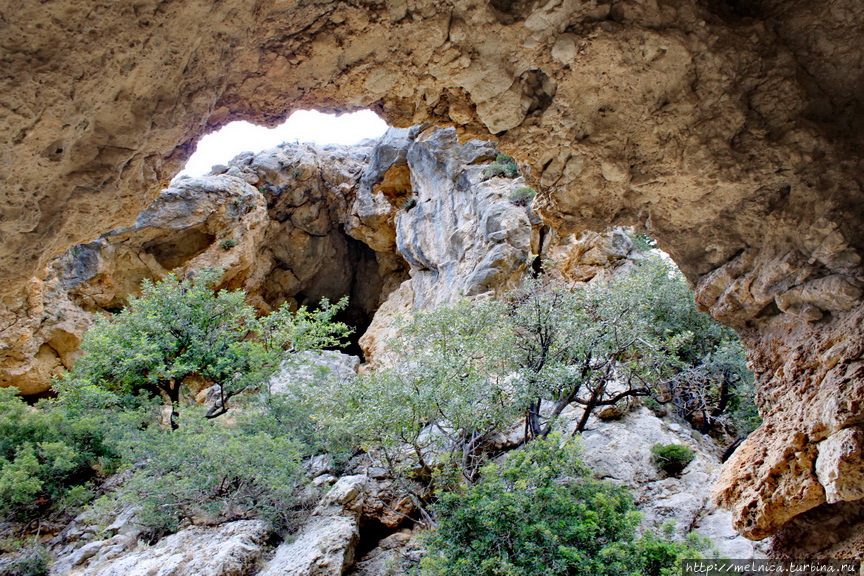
(297, 223)
(730, 131)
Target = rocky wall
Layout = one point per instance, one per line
(294, 224)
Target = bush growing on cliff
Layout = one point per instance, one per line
(522, 196)
(178, 333)
(29, 558)
(504, 167)
(713, 388)
(591, 346)
(672, 458)
(181, 331)
(43, 452)
(539, 513)
(439, 398)
(460, 374)
(207, 472)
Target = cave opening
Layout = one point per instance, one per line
(311, 254)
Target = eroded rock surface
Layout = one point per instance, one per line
(731, 131)
(233, 549)
(620, 451)
(326, 542)
(297, 223)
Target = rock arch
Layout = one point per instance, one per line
(730, 132)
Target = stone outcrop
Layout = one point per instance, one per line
(729, 130)
(186, 228)
(620, 451)
(326, 542)
(233, 549)
(297, 223)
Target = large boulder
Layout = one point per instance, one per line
(326, 542)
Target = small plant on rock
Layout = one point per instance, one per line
(409, 203)
(522, 196)
(672, 458)
(228, 243)
(504, 166)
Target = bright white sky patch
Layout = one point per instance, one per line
(302, 126)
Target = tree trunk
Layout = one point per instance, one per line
(173, 391)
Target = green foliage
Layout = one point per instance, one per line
(572, 343)
(504, 166)
(713, 386)
(672, 458)
(295, 412)
(522, 195)
(209, 472)
(107, 413)
(30, 558)
(459, 374)
(438, 392)
(228, 243)
(178, 331)
(43, 452)
(539, 513)
(643, 242)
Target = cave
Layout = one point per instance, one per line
(730, 134)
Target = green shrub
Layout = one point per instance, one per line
(44, 452)
(672, 458)
(522, 196)
(437, 378)
(539, 514)
(228, 243)
(504, 166)
(31, 559)
(209, 472)
(181, 330)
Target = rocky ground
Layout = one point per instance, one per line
(730, 130)
(352, 529)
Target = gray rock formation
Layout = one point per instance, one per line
(233, 549)
(319, 222)
(326, 542)
(620, 451)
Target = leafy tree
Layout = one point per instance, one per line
(713, 386)
(591, 346)
(639, 335)
(539, 513)
(439, 396)
(179, 331)
(458, 375)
